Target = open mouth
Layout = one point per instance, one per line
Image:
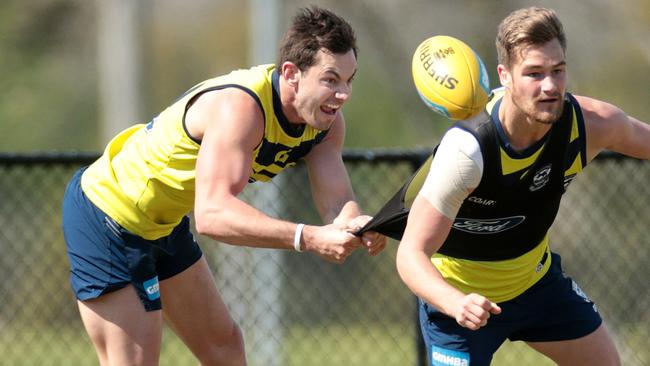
(330, 109)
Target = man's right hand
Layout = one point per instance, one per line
(331, 242)
(474, 310)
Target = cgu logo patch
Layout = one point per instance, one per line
(152, 288)
(487, 226)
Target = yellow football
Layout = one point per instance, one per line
(450, 77)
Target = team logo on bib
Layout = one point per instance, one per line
(540, 179)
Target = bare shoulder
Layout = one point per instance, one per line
(223, 108)
(599, 112)
(231, 125)
(608, 127)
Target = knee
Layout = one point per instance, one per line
(236, 344)
(226, 349)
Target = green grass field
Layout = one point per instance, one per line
(331, 346)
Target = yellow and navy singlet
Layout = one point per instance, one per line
(145, 178)
(498, 245)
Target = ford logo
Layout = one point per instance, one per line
(487, 226)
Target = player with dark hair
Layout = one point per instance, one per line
(134, 260)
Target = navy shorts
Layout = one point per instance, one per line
(105, 257)
(554, 309)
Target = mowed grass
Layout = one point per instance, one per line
(71, 346)
(356, 346)
(336, 345)
(305, 346)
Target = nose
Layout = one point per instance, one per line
(343, 93)
(549, 85)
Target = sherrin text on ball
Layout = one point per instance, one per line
(450, 77)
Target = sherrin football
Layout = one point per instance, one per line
(450, 77)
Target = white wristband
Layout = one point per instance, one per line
(297, 236)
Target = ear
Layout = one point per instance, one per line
(504, 75)
(291, 73)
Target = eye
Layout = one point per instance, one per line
(534, 75)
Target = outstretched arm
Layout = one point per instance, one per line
(426, 230)
(455, 171)
(609, 127)
(230, 125)
(332, 190)
(330, 184)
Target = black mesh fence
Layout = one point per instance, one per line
(296, 309)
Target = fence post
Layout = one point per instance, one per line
(421, 359)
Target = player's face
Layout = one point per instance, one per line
(537, 82)
(324, 88)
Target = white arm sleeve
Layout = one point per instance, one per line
(456, 171)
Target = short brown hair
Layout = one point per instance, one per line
(527, 27)
(312, 29)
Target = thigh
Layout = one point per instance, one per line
(448, 343)
(595, 349)
(89, 244)
(176, 252)
(121, 330)
(564, 324)
(193, 308)
(556, 309)
(103, 256)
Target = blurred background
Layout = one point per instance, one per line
(74, 72)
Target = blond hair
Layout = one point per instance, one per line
(527, 27)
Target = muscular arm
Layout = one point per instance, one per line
(330, 184)
(232, 125)
(455, 171)
(332, 190)
(608, 127)
(426, 230)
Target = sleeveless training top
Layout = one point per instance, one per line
(145, 178)
(498, 245)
